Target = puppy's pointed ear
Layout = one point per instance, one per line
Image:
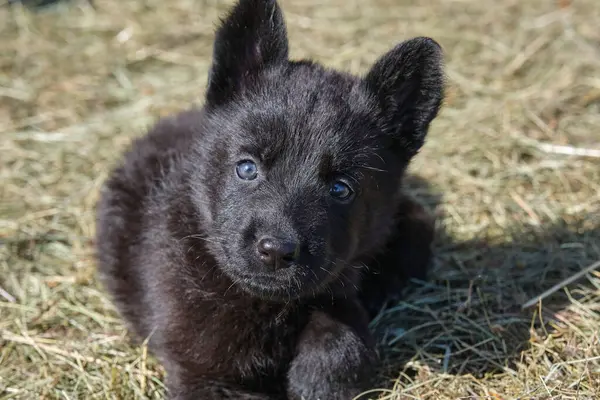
(252, 37)
(408, 82)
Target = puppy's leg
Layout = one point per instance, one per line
(334, 356)
(184, 383)
(407, 255)
(209, 390)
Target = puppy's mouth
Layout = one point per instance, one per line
(291, 283)
(284, 284)
(303, 278)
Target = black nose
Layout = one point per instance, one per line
(277, 252)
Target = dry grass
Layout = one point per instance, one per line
(517, 215)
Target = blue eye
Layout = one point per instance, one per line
(340, 191)
(247, 170)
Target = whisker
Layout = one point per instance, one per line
(234, 282)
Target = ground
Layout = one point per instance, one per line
(511, 168)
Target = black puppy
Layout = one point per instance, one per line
(252, 239)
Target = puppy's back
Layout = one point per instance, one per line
(125, 209)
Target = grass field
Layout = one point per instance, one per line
(511, 168)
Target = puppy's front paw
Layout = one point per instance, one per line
(332, 362)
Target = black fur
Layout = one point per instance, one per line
(179, 233)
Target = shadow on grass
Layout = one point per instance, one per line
(467, 318)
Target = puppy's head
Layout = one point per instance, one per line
(301, 164)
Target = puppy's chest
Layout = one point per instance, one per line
(252, 339)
